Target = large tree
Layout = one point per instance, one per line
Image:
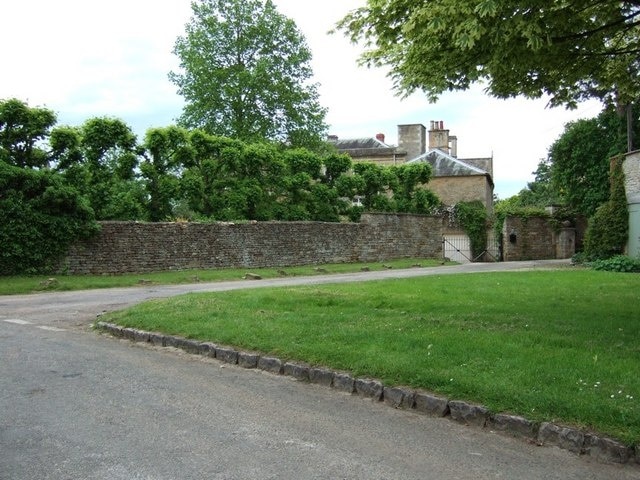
(246, 74)
(570, 50)
(22, 131)
(100, 159)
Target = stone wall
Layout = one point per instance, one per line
(631, 168)
(451, 190)
(536, 238)
(123, 247)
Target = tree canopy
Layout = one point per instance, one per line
(246, 74)
(577, 168)
(569, 50)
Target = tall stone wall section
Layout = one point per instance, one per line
(127, 247)
(631, 168)
(536, 238)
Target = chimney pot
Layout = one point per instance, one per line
(441, 125)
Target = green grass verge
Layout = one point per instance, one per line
(557, 346)
(12, 285)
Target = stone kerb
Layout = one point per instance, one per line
(601, 449)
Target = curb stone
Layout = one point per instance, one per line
(248, 360)
(366, 387)
(398, 397)
(514, 425)
(321, 376)
(601, 449)
(270, 364)
(227, 355)
(296, 370)
(468, 414)
(431, 404)
(562, 437)
(344, 382)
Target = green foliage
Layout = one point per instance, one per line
(245, 74)
(22, 128)
(472, 217)
(541, 192)
(100, 159)
(568, 50)
(40, 217)
(608, 229)
(619, 263)
(166, 151)
(514, 207)
(580, 160)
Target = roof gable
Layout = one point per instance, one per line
(445, 165)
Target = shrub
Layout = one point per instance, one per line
(40, 217)
(608, 228)
(619, 263)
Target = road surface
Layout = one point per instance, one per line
(75, 404)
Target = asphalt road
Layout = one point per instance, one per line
(78, 405)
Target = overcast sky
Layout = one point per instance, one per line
(84, 58)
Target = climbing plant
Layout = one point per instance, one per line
(472, 217)
(609, 227)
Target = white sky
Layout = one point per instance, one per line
(88, 58)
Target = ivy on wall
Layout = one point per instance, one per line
(472, 217)
(609, 228)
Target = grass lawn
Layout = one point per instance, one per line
(12, 285)
(560, 346)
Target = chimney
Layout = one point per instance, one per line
(412, 139)
(454, 146)
(380, 137)
(439, 137)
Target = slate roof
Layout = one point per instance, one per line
(359, 143)
(445, 165)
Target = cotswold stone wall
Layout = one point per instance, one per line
(126, 247)
(536, 238)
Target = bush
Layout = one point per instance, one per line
(619, 263)
(40, 217)
(608, 228)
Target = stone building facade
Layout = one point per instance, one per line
(454, 179)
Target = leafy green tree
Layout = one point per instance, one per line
(579, 160)
(100, 158)
(22, 131)
(167, 152)
(409, 193)
(374, 181)
(245, 74)
(568, 50)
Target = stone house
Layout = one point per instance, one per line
(454, 179)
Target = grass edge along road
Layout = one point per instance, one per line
(556, 346)
(13, 285)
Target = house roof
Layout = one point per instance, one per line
(445, 165)
(359, 143)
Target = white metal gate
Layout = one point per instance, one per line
(457, 248)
